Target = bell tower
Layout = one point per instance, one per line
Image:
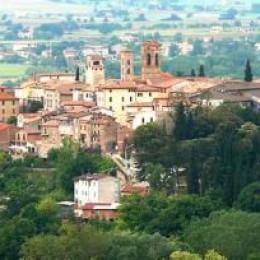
(151, 60)
(127, 64)
(94, 70)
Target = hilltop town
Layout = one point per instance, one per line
(129, 130)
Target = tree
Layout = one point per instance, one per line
(193, 74)
(149, 140)
(201, 71)
(249, 198)
(12, 120)
(248, 72)
(183, 255)
(180, 129)
(236, 227)
(13, 234)
(77, 74)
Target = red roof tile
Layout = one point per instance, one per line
(5, 96)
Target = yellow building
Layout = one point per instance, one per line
(117, 95)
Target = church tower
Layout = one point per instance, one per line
(151, 60)
(127, 64)
(94, 71)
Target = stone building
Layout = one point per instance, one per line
(94, 71)
(127, 64)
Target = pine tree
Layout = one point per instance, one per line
(201, 71)
(77, 74)
(193, 74)
(248, 72)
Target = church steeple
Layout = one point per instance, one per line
(127, 64)
(151, 60)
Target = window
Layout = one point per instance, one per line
(150, 94)
(156, 60)
(13, 103)
(128, 62)
(128, 71)
(131, 99)
(143, 120)
(151, 119)
(111, 108)
(123, 108)
(3, 111)
(110, 99)
(13, 111)
(110, 90)
(149, 59)
(123, 99)
(3, 103)
(139, 94)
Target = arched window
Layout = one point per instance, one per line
(128, 71)
(149, 59)
(156, 60)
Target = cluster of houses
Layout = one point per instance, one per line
(103, 113)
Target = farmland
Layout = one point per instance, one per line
(12, 70)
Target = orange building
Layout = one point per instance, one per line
(9, 105)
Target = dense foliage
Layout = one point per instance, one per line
(218, 148)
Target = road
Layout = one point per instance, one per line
(122, 164)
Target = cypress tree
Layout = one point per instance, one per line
(201, 71)
(180, 130)
(248, 72)
(77, 74)
(193, 74)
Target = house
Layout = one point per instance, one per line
(7, 133)
(25, 143)
(9, 105)
(29, 121)
(242, 93)
(139, 188)
(99, 50)
(185, 48)
(96, 196)
(46, 54)
(55, 93)
(58, 76)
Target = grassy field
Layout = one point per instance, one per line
(12, 70)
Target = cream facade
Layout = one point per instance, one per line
(96, 189)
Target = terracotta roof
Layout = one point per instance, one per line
(79, 103)
(88, 177)
(100, 206)
(29, 115)
(117, 84)
(5, 96)
(135, 188)
(94, 57)
(145, 88)
(141, 104)
(51, 123)
(4, 126)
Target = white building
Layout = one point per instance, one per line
(96, 189)
(82, 95)
(185, 48)
(99, 50)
